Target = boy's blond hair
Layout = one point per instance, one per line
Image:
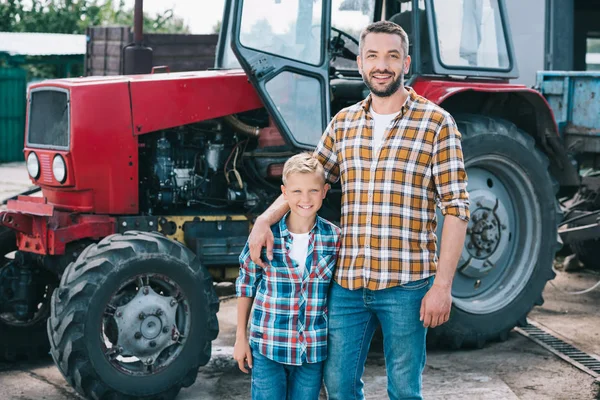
(303, 163)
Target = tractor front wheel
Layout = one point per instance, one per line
(133, 318)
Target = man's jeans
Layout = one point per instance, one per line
(275, 381)
(353, 318)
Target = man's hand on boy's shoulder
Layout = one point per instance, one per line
(261, 236)
(242, 354)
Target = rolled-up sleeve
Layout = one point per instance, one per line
(326, 153)
(449, 172)
(249, 277)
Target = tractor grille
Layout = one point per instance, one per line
(49, 119)
(564, 350)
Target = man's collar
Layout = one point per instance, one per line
(412, 95)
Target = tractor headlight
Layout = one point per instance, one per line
(33, 165)
(59, 168)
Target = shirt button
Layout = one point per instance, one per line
(366, 246)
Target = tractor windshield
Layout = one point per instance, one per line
(470, 33)
(291, 29)
(351, 17)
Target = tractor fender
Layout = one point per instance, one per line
(523, 106)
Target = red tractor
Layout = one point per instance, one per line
(150, 184)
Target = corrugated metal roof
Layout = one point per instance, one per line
(41, 44)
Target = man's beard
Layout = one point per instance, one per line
(391, 88)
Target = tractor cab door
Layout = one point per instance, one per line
(281, 44)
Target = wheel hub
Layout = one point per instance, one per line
(484, 233)
(486, 237)
(146, 325)
(151, 327)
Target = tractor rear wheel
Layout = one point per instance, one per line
(511, 238)
(22, 338)
(133, 318)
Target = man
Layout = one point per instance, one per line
(397, 155)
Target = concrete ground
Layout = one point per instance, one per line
(515, 369)
(13, 180)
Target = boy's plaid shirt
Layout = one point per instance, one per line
(388, 204)
(289, 319)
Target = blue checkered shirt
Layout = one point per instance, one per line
(289, 320)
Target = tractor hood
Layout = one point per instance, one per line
(166, 100)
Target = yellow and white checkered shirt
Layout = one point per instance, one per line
(388, 216)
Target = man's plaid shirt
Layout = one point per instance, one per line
(388, 201)
(289, 320)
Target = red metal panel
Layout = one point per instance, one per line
(81, 227)
(22, 205)
(167, 100)
(50, 234)
(439, 90)
(17, 222)
(102, 162)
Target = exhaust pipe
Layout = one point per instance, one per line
(137, 58)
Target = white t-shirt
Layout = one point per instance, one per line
(299, 250)
(380, 123)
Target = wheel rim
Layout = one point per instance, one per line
(145, 324)
(499, 253)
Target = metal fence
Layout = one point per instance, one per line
(13, 84)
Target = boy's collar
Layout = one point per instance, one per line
(283, 225)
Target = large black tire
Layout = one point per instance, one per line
(80, 304)
(18, 340)
(501, 161)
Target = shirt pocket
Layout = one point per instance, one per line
(325, 267)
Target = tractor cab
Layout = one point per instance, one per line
(302, 58)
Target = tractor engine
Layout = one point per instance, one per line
(197, 165)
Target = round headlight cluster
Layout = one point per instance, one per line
(59, 168)
(33, 165)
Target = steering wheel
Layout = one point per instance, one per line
(337, 46)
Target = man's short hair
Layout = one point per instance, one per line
(303, 163)
(385, 27)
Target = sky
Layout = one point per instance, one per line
(200, 15)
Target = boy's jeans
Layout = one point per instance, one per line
(275, 381)
(353, 318)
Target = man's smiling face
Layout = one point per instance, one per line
(382, 63)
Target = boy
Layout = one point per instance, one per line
(288, 331)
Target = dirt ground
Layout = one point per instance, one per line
(515, 369)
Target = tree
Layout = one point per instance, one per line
(74, 16)
(217, 27)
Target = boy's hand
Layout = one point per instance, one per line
(242, 354)
(261, 236)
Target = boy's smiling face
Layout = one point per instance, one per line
(304, 193)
